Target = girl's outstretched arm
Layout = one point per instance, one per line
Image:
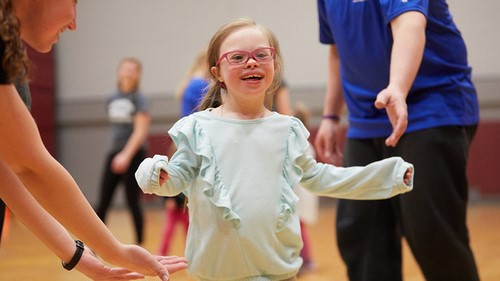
(378, 180)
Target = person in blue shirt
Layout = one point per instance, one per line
(401, 68)
(194, 85)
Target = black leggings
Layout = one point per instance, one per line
(110, 181)
(432, 217)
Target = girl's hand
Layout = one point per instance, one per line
(408, 176)
(151, 173)
(163, 177)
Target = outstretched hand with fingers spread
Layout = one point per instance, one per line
(93, 268)
(394, 103)
(141, 261)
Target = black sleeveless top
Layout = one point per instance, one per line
(22, 88)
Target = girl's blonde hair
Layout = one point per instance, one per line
(138, 63)
(198, 67)
(213, 97)
(14, 60)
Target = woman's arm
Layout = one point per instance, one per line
(22, 150)
(30, 213)
(378, 180)
(50, 232)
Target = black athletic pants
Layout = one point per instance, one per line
(432, 217)
(110, 181)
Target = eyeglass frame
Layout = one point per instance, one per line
(250, 55)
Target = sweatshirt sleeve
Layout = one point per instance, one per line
(378, 180)
(182, 168)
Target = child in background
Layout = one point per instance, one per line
(175, 213)
(282, 100)
(238, 163)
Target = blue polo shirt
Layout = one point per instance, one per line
(442, 93)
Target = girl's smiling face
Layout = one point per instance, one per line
(252, 78)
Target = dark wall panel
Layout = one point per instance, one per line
(43, 96)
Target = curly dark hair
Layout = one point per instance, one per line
(15, 60)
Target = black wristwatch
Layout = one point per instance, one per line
(76, 257)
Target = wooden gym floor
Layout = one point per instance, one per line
(24, 257)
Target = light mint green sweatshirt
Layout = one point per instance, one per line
(239, 177)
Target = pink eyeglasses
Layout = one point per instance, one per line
(239, 57)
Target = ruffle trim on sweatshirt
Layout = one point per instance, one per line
(199, 142)
(296, 147)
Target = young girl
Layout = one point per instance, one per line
(238, 163)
